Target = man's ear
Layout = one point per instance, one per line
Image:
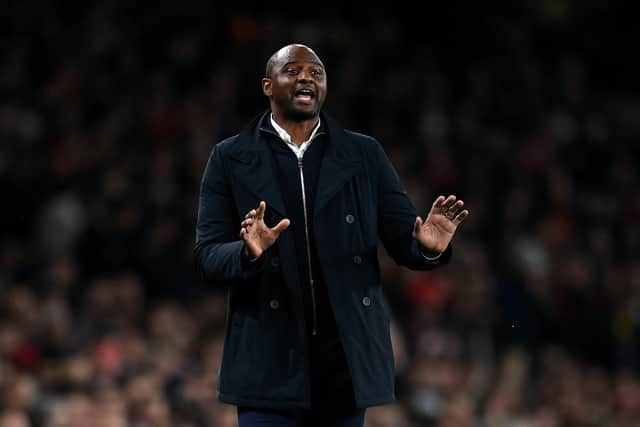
(266, 86)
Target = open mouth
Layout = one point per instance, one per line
(305, 95)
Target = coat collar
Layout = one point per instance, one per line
(340, 162)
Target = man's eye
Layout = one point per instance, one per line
(316, 72)
(292, 71)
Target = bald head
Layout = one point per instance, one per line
(285, 55)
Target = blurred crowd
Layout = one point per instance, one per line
(108, 113)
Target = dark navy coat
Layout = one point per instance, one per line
(359, 202)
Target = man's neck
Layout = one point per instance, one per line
(298, 131)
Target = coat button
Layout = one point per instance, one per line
(274, 304)
(357, 259)
(275, 261)
(366, 301)
(350, 219)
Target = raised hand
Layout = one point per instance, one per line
(257, 236)
(435, 234)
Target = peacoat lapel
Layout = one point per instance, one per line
(254, 167)
(340, 162)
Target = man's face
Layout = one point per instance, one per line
(297, 86)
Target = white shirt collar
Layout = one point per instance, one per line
(284, 135)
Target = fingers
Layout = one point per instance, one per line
(445, 205)
(461, 217)
(244, 225)
(438, 203)
(260, 212)
(257, 213)
(417, 225)
(448, 203)
(454, 209)
(451, 208)
(254, 215)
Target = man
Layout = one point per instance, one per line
(291, 210)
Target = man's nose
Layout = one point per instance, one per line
(304, 75)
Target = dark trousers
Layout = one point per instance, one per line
(248, 417)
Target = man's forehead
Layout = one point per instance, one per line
(291, 54)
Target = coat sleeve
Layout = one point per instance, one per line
(396, 219)
(218, 251)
